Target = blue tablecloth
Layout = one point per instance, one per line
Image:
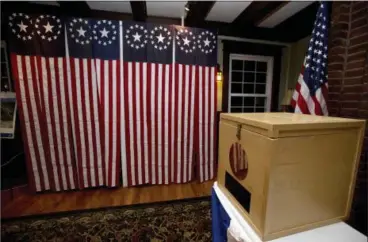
(220, 219)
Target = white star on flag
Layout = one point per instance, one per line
(207, 42)
(81, 31)
(137, 37)
(104, 33)
(160, 38)
(186, 41)
(48, 27)
(22, 27)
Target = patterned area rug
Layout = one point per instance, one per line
(188, 220)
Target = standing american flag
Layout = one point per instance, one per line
(311, 90)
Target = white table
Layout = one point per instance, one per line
(338, 232)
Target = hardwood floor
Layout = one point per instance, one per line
(35, 204)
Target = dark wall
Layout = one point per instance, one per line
(348, 86)
(13, 164)
(235, 47)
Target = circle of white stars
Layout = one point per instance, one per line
(48, 27)
(188, 45)
(80, 31)
(206, 42)
(21, 26)
(160, 37)
(104, 32)
(136, 36)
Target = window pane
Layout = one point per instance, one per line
(236, 109)
(248, 109)
(262, 66)
(259, 110)
(260, 101)
(248, 88)
(261, 78)
(236, 76)
(249, 77)
(236, 88)
(237, 65)
(248, 101)
(237, 101)
(261, 88)
(249, 66)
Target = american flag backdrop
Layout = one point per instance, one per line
(311, 90)
(94, 78)
(105, 102)
(195, 73)
(147, 78)
(40, 72)
(167, 84)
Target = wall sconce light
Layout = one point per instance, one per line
(219, 79)
(219, 73)
(219, 76)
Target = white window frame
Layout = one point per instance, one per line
(269, 60)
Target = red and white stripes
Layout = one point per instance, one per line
(183, 123)
(147, 123)
(41, 95)
(97, 121)
(162, 134)
(303, 102)
(109, 78)
(206, 122)
(81, 116)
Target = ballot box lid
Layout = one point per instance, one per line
(281, 124)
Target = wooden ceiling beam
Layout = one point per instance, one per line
(139, 10)
(256, 12)
(198, 11)
(288, 31)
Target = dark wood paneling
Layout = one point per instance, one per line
(198, 11)
(139, 10)
(234, 47)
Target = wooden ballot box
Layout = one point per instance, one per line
(287, 173)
